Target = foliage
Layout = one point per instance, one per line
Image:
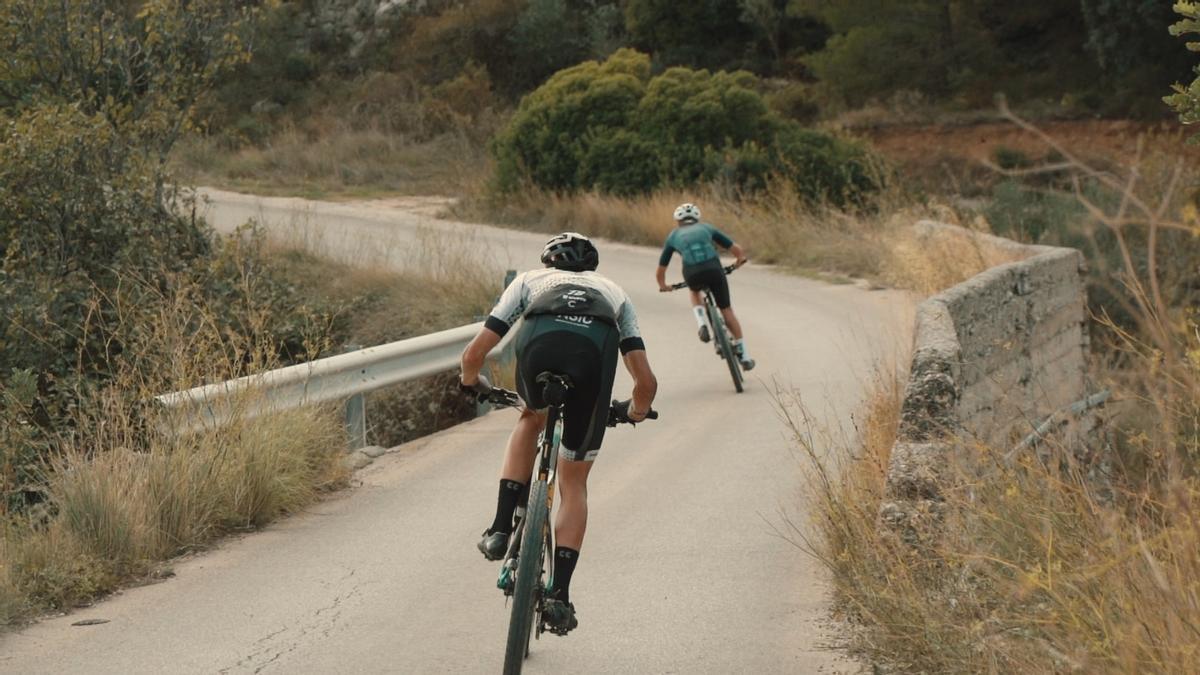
(611, 126)
(519, 42)
(706, 33)
(753, 34)
(1030, 214)
(1186, 100)
(93, 96)
(932, 46)
(549, 35)
(140, 66)
(1129, 35)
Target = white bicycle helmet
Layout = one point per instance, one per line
(687, 211)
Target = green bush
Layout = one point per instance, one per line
(545, 141)
(1010, 158)
(610, 126)
(1028, 214)
(828, 169)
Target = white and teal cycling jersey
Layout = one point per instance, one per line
(694, 243)
(569, 294)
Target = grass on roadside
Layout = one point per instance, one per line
(776, 226)
(343, 163)
(1034, 569)
(123, 491)
(122, 494)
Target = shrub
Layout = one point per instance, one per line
(609, 126)
(828, 169)
(1010, 158)
(544, 142)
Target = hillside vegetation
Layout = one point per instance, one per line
(813, 131)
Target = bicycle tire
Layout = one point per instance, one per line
(529, 577)
(722, 336)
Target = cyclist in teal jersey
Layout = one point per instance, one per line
(696, 243)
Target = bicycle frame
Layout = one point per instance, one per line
(722, 339)
(544, 469)
(523, 578)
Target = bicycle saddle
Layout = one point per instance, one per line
(554, 387)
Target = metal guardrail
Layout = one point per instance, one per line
(346, 377)
(342, 377)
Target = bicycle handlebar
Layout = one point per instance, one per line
(683, 284)
(618, 411)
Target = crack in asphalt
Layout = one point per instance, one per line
(271, 647)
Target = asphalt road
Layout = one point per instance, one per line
(681, 571)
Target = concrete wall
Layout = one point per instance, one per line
(993, 356)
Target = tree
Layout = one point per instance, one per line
(1127, 35)
(142, 66)
(1186, 99)
(702, 33)
(930, 46)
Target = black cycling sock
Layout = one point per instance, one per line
(506, 503)
(564, 566)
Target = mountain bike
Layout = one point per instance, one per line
(523, 577)
(723, 342)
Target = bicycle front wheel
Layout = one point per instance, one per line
(529, 579)
(722, 337)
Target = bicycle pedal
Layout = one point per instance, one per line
(505, 580)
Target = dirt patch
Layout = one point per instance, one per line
(1092, 140)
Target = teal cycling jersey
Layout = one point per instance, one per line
(694, 243)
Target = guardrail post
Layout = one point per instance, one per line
(355, 414)
(356, 421)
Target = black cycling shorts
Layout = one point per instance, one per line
(585, 350)
(711, 275)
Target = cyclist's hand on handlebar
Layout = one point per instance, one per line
(741, 261)
(663, 288)
(480, 386)
(620, 413)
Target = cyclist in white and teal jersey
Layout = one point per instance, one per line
(574, 322)
(696, 243)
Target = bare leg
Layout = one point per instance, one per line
(696, 301)
(571, 522)
(522, 446)
(731, 320)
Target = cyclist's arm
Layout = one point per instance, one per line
(508, 309)
(645, 385)
(660, 274)
(475, 354)
(721, 239)
(738, 254)
(633, 350)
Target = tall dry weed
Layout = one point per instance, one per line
(1037, 569)
(340, 161)
(776, 226)
(127, 487)
(1064, 560)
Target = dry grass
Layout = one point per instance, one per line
(124, 491)
(1035, 569)
(120, 511)
(775, 226)
(1070, 559)
(342, 162)
(932, 262)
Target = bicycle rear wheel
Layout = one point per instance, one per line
(529, 579)
(722, 336)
